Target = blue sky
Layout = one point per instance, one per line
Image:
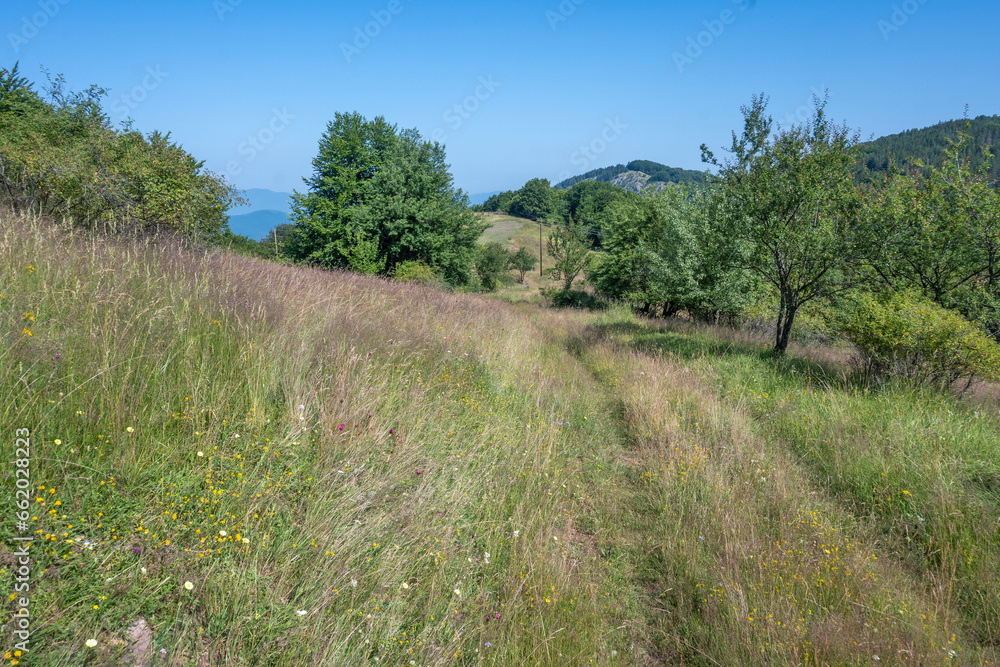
(515, 90)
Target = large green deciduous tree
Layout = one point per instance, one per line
(792, 207)
(533, 201)
(662, 250)
(634, 267)
(379, 197)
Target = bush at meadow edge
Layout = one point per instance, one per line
(904, 334)
(61, 157)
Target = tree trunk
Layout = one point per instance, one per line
(777, 327)
(786, 317)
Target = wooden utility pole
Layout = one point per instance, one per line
(275, 230)
(539, 248)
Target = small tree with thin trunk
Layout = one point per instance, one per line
(792, 207)
(523, 261)
(570, 247)
(492, 265)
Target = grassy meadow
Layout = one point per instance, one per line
(236, 462)
(516, 233)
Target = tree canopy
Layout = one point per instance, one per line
(936, 229)
(792, 205)
(534, 201)
(379, 197)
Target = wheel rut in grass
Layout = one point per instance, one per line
(732, 554)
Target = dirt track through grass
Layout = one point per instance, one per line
(753, 558)
(352, 471)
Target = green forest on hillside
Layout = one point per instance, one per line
(657, 172)
(929, 146)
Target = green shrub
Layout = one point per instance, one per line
(417, 272)
(60, 156)
(906, 335)
(564, 298)
(523, 261)
(492, 265)
(243, 245)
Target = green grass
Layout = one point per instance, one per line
(503, 228)
(892, 490)
(164, 406)
(328, 459)
(516, 233)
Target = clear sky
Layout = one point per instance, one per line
(542, 88)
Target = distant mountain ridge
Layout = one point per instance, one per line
(257, 225)
(635, 175)
(261, 199)
(265, 210)
(929, 145)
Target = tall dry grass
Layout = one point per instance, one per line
(277, 465)
(347, 470)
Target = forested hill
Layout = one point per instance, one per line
(657, 173)
(930, 143)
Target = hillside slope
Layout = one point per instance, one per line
(635, 174)
(929, 144)
(275, 465)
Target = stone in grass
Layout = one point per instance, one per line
(140, 637)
